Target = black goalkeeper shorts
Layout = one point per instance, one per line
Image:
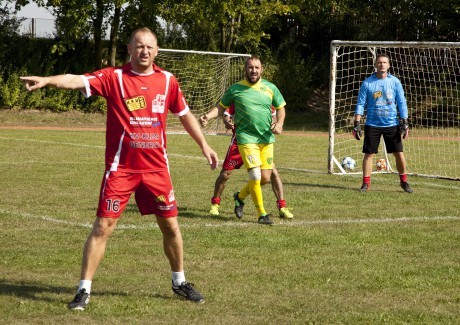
(391, 137)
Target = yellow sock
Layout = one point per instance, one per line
(244, 192)
(256, 195)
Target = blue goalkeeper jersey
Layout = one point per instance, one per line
(382, 99)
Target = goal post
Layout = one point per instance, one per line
(203, 78)
(430, 75)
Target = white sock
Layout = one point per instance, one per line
(85, 284)
(178, 278)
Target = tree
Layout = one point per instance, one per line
(9, 23)
(224, 25)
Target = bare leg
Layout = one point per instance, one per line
(172, 242)
(94, 249)
(400, 162)
(266, 175)
(367, 164)
(221, 180)
(277, 185)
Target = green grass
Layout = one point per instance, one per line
(383, 257)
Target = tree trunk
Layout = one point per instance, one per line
(113, 36)
(97, 23)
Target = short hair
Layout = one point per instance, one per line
(252, 57)
(382, 55)
(142, 30)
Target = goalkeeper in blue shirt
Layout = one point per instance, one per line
(382, 96)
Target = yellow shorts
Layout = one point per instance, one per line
(257, 155)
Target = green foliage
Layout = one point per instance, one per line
(9, 22)
(94, 105)
(10, 92)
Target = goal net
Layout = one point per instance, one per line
(430, 75)
(203, 78)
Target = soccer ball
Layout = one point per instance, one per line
(381, 164)
(348, 163)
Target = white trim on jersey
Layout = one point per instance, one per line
(116, 159)
(119, 73)
(165, 152)
(87, 90)
(184, 111)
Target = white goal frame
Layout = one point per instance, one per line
(203, 78)
(430, 75)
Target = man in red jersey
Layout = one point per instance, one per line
(139, 96)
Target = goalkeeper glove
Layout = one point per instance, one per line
(357, 133)
(404, 128)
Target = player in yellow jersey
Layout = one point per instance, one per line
(234, 161)
(253, 99)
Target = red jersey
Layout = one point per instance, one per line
(137, 106)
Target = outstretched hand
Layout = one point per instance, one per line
(33, 82)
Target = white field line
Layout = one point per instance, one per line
(234, 224)
(53, 142)
(426, 184)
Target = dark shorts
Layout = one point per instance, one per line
(391, 137)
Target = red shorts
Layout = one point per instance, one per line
(154, 194)
(233, 158)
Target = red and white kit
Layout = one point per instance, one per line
(136, 156)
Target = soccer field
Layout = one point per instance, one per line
(382, 257)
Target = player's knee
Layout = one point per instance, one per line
(255, 174)
(266, 176)
(226, 175)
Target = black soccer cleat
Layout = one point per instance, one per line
(405, 186)
(365, 187)
(265, 219)
(187, 291)
(80, 301)
(239, 205)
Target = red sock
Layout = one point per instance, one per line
(215, 200)
(281, 204)
(403, 177)
(367, 179)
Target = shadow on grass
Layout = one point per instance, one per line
(39, 291)
(223, 217)
(31, 291)
(325, 186)
(185, 212)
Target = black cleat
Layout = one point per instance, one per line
(405, 186)
(265, 220)
(365, 187)
(187, 291)
(80, 301)
(239, 205)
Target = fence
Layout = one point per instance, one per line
(37, 27)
